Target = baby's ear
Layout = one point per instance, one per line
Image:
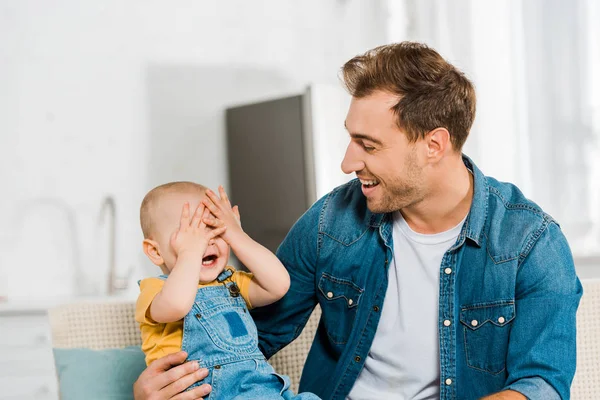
(151, 250)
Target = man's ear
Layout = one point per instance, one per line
(438, 142)
(151, 250)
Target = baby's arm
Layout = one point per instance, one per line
(177, 296)
(271, 280)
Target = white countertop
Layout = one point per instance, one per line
(41, 305)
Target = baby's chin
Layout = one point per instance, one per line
(208, 275)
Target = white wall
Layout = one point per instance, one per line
(533, 64)
(114, 97)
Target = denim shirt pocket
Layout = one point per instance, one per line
(486, 328)
(339, 299)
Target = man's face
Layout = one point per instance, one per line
(381, 155)
(167, 217)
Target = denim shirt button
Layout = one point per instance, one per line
(448, 271)
(357, 358)
(474, 323)
(350, 301)
(448, 381)
(376, 308)
(501, 320)
(329, 294)
(447, 322)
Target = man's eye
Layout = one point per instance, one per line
(368, 148)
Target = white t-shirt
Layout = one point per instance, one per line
(403, 362)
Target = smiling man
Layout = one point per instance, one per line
(435, 281)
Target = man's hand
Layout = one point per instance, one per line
(167, 378)
(223, 215)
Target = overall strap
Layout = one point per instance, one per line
(234, 290)
(224, 275)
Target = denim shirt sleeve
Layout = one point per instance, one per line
(281, 322)
(541, 356)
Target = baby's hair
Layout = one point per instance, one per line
(153, 195)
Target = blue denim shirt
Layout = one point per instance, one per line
(511, 295)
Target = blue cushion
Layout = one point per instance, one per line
(98, 374)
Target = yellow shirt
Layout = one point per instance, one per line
(159, 339)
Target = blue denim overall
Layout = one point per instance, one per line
(221, 335)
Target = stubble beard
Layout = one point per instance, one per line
(400, 193)
(395, 199)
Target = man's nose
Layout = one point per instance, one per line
(351, 162)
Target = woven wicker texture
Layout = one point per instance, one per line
(110, 325)
(290, 360)
(586, 385)
(94, 325)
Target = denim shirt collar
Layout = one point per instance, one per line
(383, 223)
(475, 223)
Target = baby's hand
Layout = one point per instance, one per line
(193, 234)
(223, 215)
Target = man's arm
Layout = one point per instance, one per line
(281, 322)
(542, 348)
(505, 395)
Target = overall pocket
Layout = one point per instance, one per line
(339, 299)
(486, 329)
(228, 323)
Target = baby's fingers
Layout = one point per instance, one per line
(212, 207)
(205, 214)
(212, 222)
(213, 196)
(236, 212)
(185, 215)
(198, 215)
(224, 196)
(217, 232)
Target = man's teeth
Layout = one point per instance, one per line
(208, 262)
(369, 183)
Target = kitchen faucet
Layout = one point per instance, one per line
(115, 283)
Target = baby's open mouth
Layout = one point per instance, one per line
(208, 261)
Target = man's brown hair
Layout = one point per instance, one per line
(432, 92)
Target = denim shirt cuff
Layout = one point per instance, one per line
(534, 389)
